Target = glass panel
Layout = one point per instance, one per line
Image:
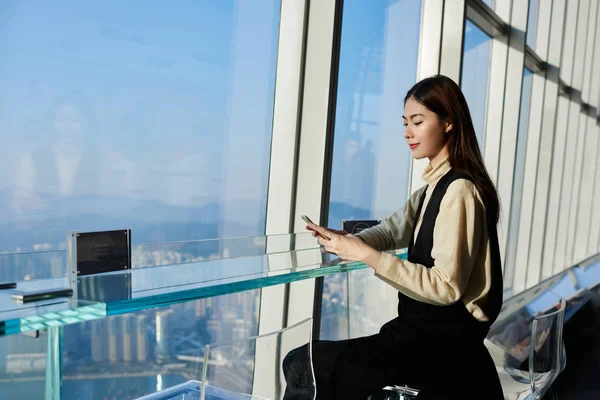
(135, 115)
(475, 72)
(528, 349)
(490, 3)
(285, 356)
(22, 367)
(532, 23)
(515, 208)
(132, 355)
(371, 161)
(128, 356)
(371, 301)
(26, 266)
(548, 352)
(98, 296)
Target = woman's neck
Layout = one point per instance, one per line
(441, 156)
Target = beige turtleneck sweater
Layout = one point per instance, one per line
(461, 248)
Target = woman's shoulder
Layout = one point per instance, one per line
(463, 187)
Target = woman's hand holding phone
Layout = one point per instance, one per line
(313, 228)
(346, 246)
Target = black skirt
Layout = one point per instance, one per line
(404, 352)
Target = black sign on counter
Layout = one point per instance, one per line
(358, 225)
(99, 252)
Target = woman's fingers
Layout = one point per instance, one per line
(324, 232)
(327, 246)
(336, 231)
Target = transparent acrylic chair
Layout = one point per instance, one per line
(251, 368)
(547, 358)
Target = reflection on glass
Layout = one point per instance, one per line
(371, 161)
(510, 336)
(140, 115)
(475, 72)
(532, 23)
(135, 115)
(22, 367)
(489, 3)
(28, 266)
(128, 356)
(515, 208)
(241, 366)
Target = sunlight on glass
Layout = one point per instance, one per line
(371, 161)
(515, 208)
(475, 73)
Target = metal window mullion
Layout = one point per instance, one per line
(597, 227)
(282, 171)
(546, 161)
(493, 130)
(453, 39)
(550, 157)
(486, 19)
(594, 238)
(533, 61)
(316, 142)
(523, 275)
(551, 234)
(545, 10)
(594, 97)
(580, 44)
(586, 93)
(575, 193)
(568, 45)
(498, 65)
(430, 38)
(286, 117)
(538, 189)
(586, 191)
(510, 121)
(567, 187)
(429, 64)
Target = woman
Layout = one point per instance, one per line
(449, 289)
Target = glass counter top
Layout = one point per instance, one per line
(238, 265)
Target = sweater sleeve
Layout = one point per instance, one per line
(456, 241)
(394, 232)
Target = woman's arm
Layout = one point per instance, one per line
(456, 242)
(394, 232)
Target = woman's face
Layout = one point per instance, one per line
(425, 134)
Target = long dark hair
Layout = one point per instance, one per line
(443, 96)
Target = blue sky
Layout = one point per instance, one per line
(133, 102)
(138, 101)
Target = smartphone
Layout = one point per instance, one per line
(309, 221)
(36, 295)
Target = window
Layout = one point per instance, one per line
(127, 344)
(371, 161)
(141, 115)
(490, 3)
(475, 72)
(532, 23)
(137, 115)
(515, 205)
